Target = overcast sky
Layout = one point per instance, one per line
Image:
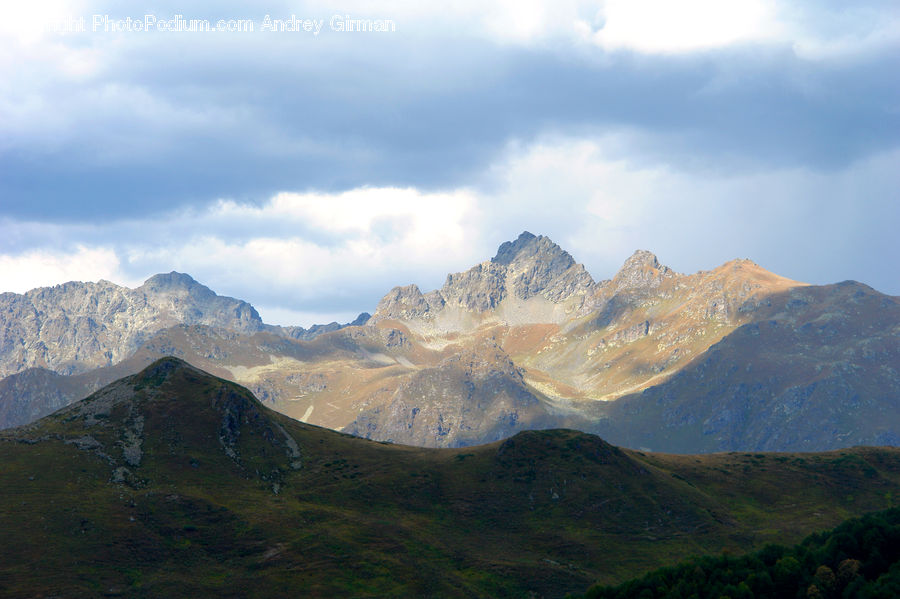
(309, 172)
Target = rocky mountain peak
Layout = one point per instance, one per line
(641, 271)
(171, 280)
(531, 265)
(641, 259)
(189, 302)
(177, 284)
(508, 250)
(528, 248)
(526, 267)
(403, 303)
(74, 327)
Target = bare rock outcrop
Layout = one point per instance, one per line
(642, 271)
(525, 268)
(76, 327)
(474, 396)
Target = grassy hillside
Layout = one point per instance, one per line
(175, 483)
(858, 559)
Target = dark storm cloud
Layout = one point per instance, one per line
(185, 120)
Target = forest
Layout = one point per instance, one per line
(860, 558)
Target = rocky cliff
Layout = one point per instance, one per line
(475, 396)
(75, 327)
(531, 267)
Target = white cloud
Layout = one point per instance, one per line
(303, 258)
(296, 252)
(426, 217)
(42, 268)
(655, 26)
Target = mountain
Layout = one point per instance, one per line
(172, 482)
(734, 358)
(59, 344)
(75, 327)
(576, 338)
(428, 408)
(819, 368)
(530, 279)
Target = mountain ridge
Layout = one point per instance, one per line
(529, 267)
(622, 356)
(75, 326)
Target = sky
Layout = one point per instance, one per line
(306, 166)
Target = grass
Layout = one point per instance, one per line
(545, 512)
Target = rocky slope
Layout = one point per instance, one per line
(821, 369)
(475, 396)
(530, 279)
(76, 327)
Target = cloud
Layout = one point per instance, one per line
(298, 254)
(815, 226)
(43, 268)
(655, 26)
(328, 256)
(153, 122)
(309, 174)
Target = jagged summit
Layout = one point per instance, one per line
(403, 303)
(527, 267)
(640, 259)
(529, 248)
(175, 289)
(508, 250)
(641, 270)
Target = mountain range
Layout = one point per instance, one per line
(735, 358)
(172, 482)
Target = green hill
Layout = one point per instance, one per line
(172, 482)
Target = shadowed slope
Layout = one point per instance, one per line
(821, 370)
(176, 483)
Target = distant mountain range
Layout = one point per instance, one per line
(174, 483)
(736, 358)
